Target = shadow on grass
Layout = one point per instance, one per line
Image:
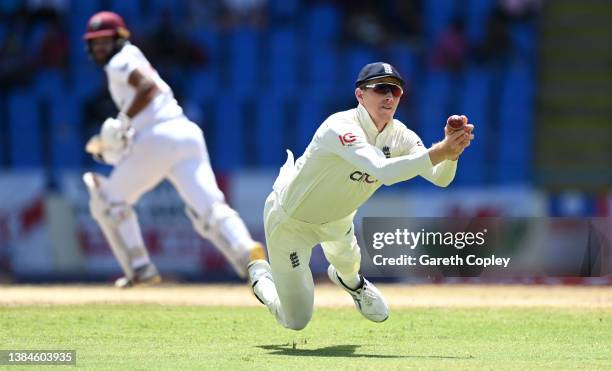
(337, 351)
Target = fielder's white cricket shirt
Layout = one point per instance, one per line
(348, 160)
(163, 107)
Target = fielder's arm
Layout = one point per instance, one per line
(457, 141)
(443, 173)
(441, 155)
(367, 157)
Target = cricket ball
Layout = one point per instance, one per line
(455, 122)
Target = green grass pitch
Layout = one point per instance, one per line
(160, 337)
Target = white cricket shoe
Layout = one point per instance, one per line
(262, 282)
(144, 276)
(368, 300)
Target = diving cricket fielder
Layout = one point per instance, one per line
(315, 199)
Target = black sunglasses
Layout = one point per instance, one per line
(384, 88)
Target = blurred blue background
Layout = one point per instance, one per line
(259, 76)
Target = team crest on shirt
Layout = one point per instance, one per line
(387, 151)
(295, 260)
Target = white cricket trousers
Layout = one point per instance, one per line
(290, 244)
(174, 150)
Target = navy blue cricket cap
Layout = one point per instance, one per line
(377, 70)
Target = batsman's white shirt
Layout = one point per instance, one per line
(347, 161)
(166, 144)
(163, 107)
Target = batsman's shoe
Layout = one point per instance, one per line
(262, 282)
(368, 300)
(144, 276)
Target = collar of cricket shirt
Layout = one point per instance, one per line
(368, 125)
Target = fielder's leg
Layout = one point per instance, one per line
(345, 256)
(212, 218)
(285, 286)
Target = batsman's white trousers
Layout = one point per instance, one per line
(290, 244)
(174, 150)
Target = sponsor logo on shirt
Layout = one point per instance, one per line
(347, 139)
(358, 176)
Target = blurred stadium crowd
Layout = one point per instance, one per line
(260, 75)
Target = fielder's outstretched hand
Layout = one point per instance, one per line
(458, 138)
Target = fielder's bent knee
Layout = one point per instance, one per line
(298, 318)
(298, 323)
